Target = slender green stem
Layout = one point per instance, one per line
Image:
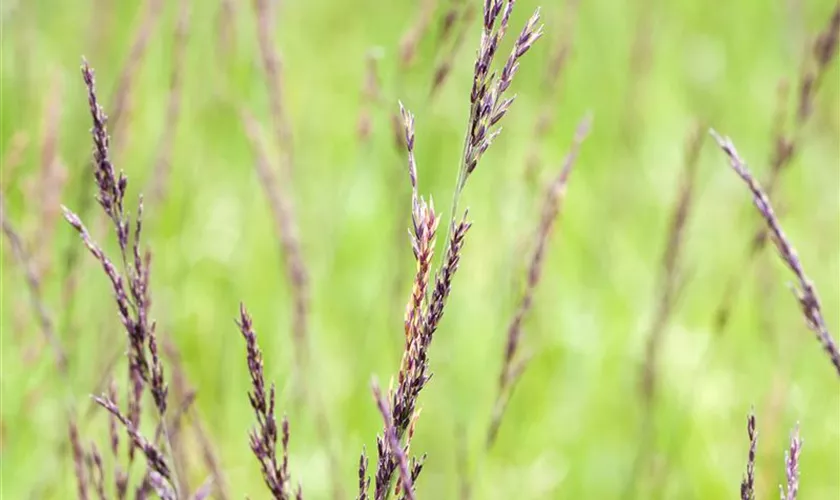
(460, 181)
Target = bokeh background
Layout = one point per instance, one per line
(649, 70)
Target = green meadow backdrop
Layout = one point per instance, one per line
(650, 71)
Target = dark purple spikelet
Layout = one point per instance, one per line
(424, 310)
(806, 294)
(748, 482)
(444, 276)
(423, 231)
(131, 286)
(364, 479)
(423, 314)
(792, 467)
(124, 307)
(159, 387)
(111, 185)
(263, 437)
(392, 444)
(385, 467)
(487, 98)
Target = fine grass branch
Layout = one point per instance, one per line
(806, 294)
(514, 364)
(129, 280)
(264, 436)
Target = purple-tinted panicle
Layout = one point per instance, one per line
(424, 228)
(487, 97)
(111, 185)
(263, 437)
(364, 479)
(806, 294)
(787, 143)
(444, 275)
(408, 128)
(130, 285)
(792, 467)
(748, 483)
(423, 314)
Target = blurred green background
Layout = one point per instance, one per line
(647, 69)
